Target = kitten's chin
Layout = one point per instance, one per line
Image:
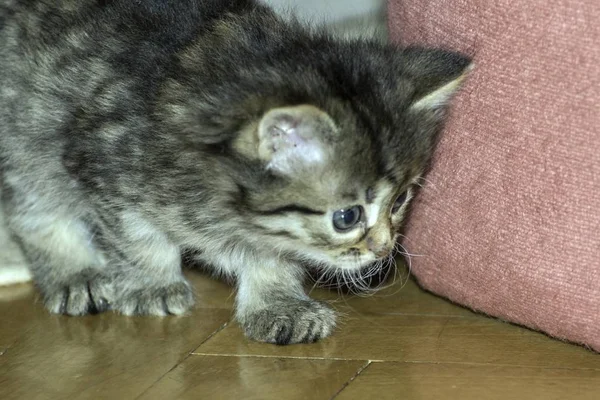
(353, 264)
(314, 259)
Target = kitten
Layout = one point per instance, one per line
(132, 133)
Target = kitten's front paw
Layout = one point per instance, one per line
(291, 321)
(174, 299)
(85, 293)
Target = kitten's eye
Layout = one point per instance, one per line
(400, 200)
(344, 220)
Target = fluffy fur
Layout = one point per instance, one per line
(135, 132)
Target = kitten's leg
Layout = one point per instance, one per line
(72, 283)
(138, 273)
(273, 307)
(149, 280)
(66, 266)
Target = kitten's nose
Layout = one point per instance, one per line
(379, 249)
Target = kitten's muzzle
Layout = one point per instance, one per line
(379, 249)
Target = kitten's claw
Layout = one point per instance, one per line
(174, 299)
(84, 294)
(292, 321)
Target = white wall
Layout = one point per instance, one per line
(330, 10)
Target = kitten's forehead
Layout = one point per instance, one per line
(357, 178)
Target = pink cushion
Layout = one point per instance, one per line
(509, 222)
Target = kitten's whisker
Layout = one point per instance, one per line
(398, 247)
(318, 280)
(404, 237)
(426, 184)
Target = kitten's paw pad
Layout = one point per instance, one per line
(174, 299)
(296, 321)
(85, 293)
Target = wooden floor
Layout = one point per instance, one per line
(399, 344)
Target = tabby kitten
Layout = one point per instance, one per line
(135, 132)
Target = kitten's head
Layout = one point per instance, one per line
(325, 140)
(346, 169)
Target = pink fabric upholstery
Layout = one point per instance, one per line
(509, 223)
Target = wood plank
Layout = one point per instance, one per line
(248, 378)
(420, 339)
(95, 357)
(408, 381)
(401, 296)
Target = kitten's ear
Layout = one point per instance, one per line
(436, 75)
(293, 139)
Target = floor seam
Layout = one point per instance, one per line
(219, 329)
(372, 361)
(281, 357)
(188, 355)
(356, 374)
(475, 364)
